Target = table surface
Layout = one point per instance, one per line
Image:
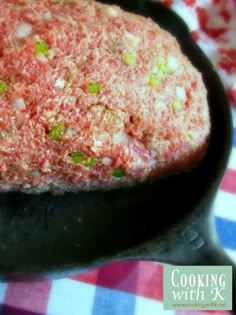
(136, 287)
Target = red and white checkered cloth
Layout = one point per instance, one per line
(127, 288)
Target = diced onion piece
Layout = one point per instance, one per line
(180, 92)
(152, 162)
(159, 106)
(27, 186)
(35, 174)
(60, 83)
(69, 100)
(19, 103)
(70, 132)
(97, 143)
(110, 11)
(72, 100)
(42, 58)
(65, 18)
(106, 161)
(134, 39)
(47, 15)
(46, 170)
(23, 30)
(120, 138)
(172, 63)
(51, 119)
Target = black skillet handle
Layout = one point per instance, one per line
(197, 243)
(193, 241)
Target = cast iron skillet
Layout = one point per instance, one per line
(170, 220)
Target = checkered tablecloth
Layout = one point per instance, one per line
(135, 287)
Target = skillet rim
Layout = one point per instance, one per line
(65, 268)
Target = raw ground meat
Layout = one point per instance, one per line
(93, 97)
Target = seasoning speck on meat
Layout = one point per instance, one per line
(93, 97)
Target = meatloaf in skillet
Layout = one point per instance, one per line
(93, 97)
